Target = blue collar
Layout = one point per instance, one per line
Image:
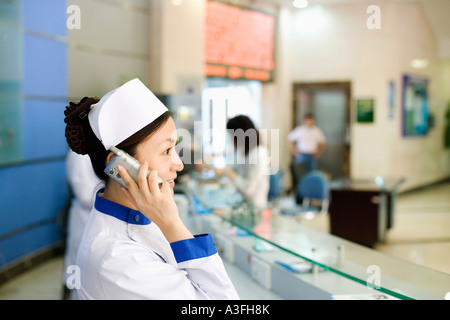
(120, 212)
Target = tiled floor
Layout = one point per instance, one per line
(43, 282)
(421, 231)
(421, 234)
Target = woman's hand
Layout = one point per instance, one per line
(155, 203)
(220, 172)
(228, 171)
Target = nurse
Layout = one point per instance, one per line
(250, 170)
(83, 183)
(135, 246)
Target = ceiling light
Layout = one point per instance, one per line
(310, 21)
(419, 63)
(300, 4)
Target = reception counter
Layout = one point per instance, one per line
(297, 262)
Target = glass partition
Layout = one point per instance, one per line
(10, 81)
(371, 184)
(398, 278)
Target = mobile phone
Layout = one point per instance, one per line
(126, 161)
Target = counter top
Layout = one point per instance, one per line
(389, 275)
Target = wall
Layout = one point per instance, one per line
(345, 49)
(110, 48)
(33, 191)
(176, 46)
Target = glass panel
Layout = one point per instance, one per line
(10, 81)
(399, 278)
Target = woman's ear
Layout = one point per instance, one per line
(109, 158)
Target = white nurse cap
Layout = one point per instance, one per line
(123, 112)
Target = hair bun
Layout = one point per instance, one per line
(77, 111)
(76, 119)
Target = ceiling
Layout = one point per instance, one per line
(437, 11)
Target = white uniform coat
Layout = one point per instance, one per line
(123, 255)
(253, 179)
(83, 182)
(307, 139)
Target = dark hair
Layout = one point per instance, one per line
(244, 123)
(308, 115)
(82, 140)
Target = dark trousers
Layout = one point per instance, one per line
(298, 170)
(308, 160)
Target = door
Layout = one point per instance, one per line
(330, 104)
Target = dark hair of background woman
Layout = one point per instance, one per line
(244, 123)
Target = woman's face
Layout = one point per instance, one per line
(159, 152)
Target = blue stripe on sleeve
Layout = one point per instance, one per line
(200, 246)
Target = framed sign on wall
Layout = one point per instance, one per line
(415, 106)
(365, 110)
